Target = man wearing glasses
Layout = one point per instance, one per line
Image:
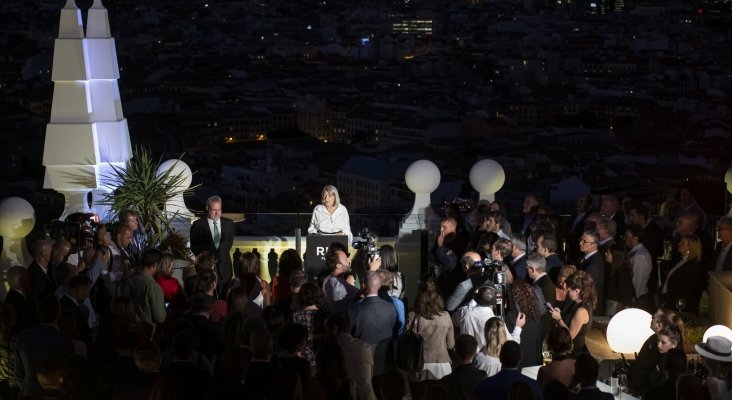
(594, 264)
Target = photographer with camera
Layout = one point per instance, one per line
(471, 318)
(472, 266)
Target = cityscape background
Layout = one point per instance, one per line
(268, 101)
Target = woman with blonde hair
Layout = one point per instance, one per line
(487, 358)
(331, 216)
(685, 281)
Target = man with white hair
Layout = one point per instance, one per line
(610, 207)
(518, 257)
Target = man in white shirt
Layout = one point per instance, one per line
(471, 318)
(338, 293)
(642, 264)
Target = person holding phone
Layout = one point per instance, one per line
(577, 316)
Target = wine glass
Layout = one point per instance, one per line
(623, 383)
(680, 304)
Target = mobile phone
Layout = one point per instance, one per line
(549, 306)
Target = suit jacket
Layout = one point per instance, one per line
(519, 267)
(82, 325)
(549, 291)
(654, 240)
(619, 219)
(42, 283)
(437, 334)
(595, 266)
(727, 264)
(462, 381)
(499, 385)
(687, 282)
(35, 345)
(374, 320)
(359, 364)
(591, 393)
(202, 240)
(25, 312)
(574, 234)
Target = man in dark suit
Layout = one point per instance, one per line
(544, 288)
(37, 344)
(499, 385)
(586, 370)
(594, 264)
(215, 234)
(518, 257)
(41, 276)
(17, 297)
(722, 260)
(374, 320)
(79, 289)
(576, 226)
(546, 246)
(465, 377)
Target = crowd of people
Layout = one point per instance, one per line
(111, 320)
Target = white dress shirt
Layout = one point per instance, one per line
(327, 223)
(471, 319)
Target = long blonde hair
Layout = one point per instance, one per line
(495, 336)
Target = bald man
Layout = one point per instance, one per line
(473, 278)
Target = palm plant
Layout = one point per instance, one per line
(139, 187)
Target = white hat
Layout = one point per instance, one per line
(716, 348)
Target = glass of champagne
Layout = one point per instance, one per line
(680, 304)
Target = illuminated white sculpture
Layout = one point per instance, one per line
(176, 207)
(17, 218)
(718, 330)
(87, 133)
(487, 177)
(628, 330)
(422, 178)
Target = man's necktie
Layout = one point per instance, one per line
(216, 234)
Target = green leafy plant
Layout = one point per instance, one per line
(139, 187)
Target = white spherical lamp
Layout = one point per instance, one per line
(176, 206)
(628, 330)
(718, 330)
(422, 177)
(17, 219)
(487, 177)
(177, 167)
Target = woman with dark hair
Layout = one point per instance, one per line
(430, 321)
(559, 343)
(389, 263)
(619, 290)
(331, 382)
(577, 316)
(525, 301)
(207, 282)
(254, 286)
(290, 260)
(205, 261)
(647, 372)
(312, 318)
(685, 280)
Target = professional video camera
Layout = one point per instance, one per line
(366, 240)
(494, 273)
(78, 228)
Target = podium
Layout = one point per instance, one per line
(315, 248)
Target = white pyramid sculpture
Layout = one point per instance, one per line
(87, 133)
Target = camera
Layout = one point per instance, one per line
(78, 228)
(491, 270)
(366, 240)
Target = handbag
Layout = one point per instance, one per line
(410, 355)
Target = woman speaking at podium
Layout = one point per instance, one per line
(330, 217)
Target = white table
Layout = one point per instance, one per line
(532, 372)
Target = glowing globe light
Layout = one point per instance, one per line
(718, 330)
(422, 177)
(628, 330)
(487, 177)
